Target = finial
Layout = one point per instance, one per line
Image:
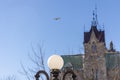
(95, 21)
(111, 47)
(103, 26)
(96, 13)
(93, 15)
(84, 27)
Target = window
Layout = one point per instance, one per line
(94, 47)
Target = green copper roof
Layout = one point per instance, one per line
(112, 60)
(74, 61)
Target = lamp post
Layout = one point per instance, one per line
(55, 63)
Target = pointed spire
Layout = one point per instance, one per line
(93, 15)
(94, 21)
(84, 27)
(96, 14)
(111, 47)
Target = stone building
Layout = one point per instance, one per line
(97, 62)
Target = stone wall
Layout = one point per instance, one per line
(114, 74)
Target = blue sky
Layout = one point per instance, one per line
(26, 22)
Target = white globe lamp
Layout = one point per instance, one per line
(55, 62)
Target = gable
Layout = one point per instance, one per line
(99, 34)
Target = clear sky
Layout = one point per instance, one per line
(26, 22)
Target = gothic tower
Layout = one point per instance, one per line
(94, 47)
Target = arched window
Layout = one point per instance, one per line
(94, 47)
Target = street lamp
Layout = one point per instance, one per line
(55, 63)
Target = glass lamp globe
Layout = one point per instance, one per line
(55, 62)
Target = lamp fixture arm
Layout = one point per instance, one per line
(41, 72)
(69, 72)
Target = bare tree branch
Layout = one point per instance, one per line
(37, 58)
(9, 78)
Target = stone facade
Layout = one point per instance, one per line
(97, 62)
(94, 61)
